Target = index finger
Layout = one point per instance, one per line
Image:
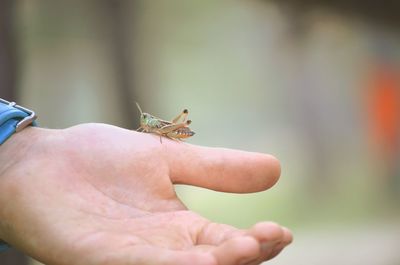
(221, 169)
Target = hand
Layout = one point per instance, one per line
(98, 194)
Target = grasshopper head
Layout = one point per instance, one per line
(146, 119)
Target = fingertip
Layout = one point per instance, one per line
(287, 239)
(287, 236)
(268, 232)
(276, 164)
(271, 172)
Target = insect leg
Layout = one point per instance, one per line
(172, 127)
(158, 133)
(183, 114)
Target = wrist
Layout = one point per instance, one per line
(15, 130)
(20, 147)
(13, 120)
(16, 148)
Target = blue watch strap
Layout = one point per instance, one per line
(13, 118)
(3, 246)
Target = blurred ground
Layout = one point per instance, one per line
(359, 245)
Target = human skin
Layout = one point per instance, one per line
(96, 194)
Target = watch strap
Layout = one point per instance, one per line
(13, 118)
(3, 246)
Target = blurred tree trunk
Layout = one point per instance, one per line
(119, 11)
(8, 82)
(8, 60)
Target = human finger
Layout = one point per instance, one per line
(237, 250)
(271, 237)
(211, 233)
(216, 233)
(287, 239)
(221, 169)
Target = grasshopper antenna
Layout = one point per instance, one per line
(137, 104)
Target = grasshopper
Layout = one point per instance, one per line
(176, 129)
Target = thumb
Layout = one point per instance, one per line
(221, 169)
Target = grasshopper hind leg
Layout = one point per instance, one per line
(183, 115)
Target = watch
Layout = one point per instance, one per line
(13, 118)
(3, 246)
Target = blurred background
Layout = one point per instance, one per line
(315, 83)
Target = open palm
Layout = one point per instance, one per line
(99, 194)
